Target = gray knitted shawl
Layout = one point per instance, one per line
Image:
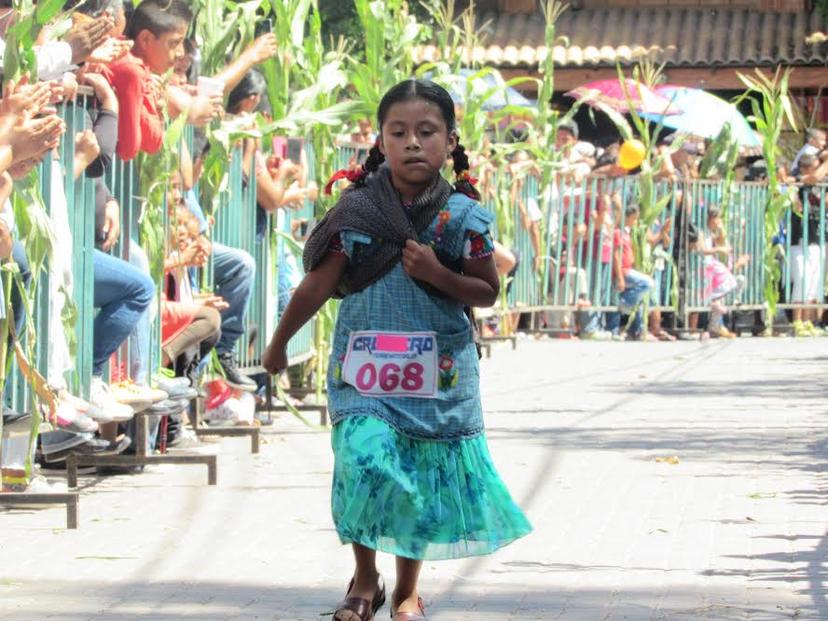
(375, 209)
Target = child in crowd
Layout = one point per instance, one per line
(719, 280)
(186, 322)
(413, 476)
(632, 286)
(158, 29)
(660, 238)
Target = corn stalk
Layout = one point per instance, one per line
(544, 129)
(223, 29)
(391, 32)
(29, 208)
(771, 110)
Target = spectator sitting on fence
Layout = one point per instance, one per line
(531, 216)
(814, 145)
(599, 220)
(719, 280)
(660, 239)
(234, 272)
(136, 394)
(280, 183)
(806, 258)
(190, 327)
(632, 286)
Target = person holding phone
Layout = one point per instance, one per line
(278, 179)
(263, 48)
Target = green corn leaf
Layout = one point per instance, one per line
(47, 10)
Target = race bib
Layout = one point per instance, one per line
(392, 364)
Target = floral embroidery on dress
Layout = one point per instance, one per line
(477, 246)
(442, 220)
(417, 498)
(449, 374)
(335, 245)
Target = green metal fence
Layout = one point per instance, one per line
(578, 224)
(241, 223)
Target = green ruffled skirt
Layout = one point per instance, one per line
(419, 499)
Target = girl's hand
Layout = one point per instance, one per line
(274, 359)
(420, 262)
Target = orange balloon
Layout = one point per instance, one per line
(631, 154)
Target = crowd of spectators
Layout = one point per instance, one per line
(140, 67)
(590, 210)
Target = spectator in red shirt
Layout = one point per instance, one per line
(158, 29)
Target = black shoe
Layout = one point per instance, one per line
(232, 374)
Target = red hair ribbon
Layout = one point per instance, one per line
(351, 174)
(465, 176)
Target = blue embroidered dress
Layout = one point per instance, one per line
(413, 477)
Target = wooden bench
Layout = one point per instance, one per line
(70, 499)
(141, 458)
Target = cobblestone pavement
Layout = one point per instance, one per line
(582, 432)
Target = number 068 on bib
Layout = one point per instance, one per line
(392, 364)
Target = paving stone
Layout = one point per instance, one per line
(583, 433)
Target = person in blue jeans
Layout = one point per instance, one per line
(630, 284)
(234, 272)
(122, 294)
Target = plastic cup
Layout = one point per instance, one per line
(210, 87)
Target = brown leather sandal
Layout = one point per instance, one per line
(362, 608)
(410, 616)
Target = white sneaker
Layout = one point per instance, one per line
(139, 398)
(101, 398)
(69, 418)
(41, 485)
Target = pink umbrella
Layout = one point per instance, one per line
(610, 94)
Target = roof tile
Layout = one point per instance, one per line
(678, 36)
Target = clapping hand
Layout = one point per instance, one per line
(109, 51)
